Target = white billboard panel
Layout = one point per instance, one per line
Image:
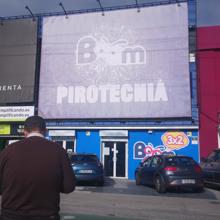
(121, 65)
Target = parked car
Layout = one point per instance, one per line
(87, 168)
(211, 168)
(169, 171)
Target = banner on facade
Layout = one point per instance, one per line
(18, 40)
(96, 66)
(16, 113)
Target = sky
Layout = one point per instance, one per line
(208, 11)
(17, 7)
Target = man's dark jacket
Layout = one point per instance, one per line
(33, 172)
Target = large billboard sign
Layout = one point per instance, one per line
(18, 40)
(121, 65)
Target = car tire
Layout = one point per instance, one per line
(137, 179)
(159, 185)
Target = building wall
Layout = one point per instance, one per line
(143, 142)
(209, 92)
(89, 142)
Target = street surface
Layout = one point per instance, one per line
(122, 199)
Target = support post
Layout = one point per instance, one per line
(100, 5)
(64, 10)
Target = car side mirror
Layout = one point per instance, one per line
(204, 160)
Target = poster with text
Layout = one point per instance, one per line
(18, 45)
(122, 65)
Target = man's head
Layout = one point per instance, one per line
(34, 124)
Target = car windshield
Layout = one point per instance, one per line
(83, 158)
(218, 155)
(180, 161)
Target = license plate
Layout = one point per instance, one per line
(186, 181)
(85, 171)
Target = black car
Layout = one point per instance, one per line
(87, 168)
(169, 171)
(211, 168)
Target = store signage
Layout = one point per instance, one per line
(142, 150)
(5, 129)
(104, 67)
(61, 133)
(16, 113)
(18, 39)
(170, 143)
(175, 140)
(113, 133)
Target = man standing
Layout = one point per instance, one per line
(33, 172)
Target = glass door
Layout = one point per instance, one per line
(114, 157)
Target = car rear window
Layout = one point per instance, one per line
(83, 158)
(180, 161)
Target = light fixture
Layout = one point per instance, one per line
(137, 6)
(102, 9)
(61, 5)
(31, 13)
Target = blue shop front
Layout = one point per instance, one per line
(121, 150)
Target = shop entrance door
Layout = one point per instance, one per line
(114, 158)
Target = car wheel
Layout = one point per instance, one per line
(137, 179)
(159, 185)
(198, 189)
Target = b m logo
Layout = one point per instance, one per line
(120, 52)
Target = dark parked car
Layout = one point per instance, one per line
(87, 168)
(169, 171)
(211, 168)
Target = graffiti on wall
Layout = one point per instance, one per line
(171, 141)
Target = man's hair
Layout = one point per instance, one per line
(34, 123)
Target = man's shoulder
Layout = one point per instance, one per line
(14, 144)
(33, 141)
(42, 140)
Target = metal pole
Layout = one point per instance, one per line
(61, 5)
(100, 5)
(26, 7)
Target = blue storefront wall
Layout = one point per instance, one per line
(142, 143)
(88, 142)
(151, 142)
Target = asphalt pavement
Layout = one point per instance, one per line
(122, 199)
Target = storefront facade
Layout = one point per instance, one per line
(121, 90)
(121, 150)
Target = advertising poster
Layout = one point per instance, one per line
(15, 113)
(145, 144)
(95, 66)
(18, 40)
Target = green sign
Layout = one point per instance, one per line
(5, 129)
